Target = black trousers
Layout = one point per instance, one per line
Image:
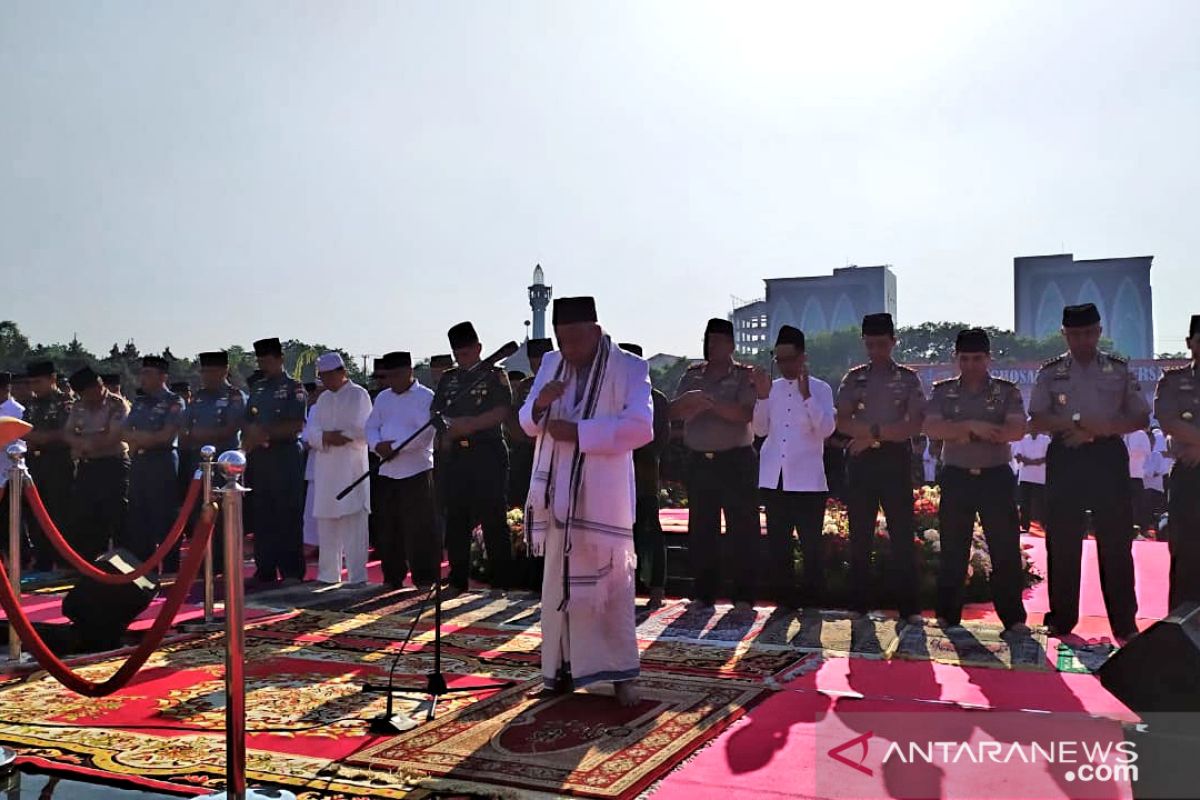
(1184, 543)
(988, 495)
(648, 541)
(189, 463)
(1031, 500)
(53, 472)
(803, 512)
(725, 481)
(406, 528)
(881, 477)
(153, 505)
(1094, 477)
(99, 502)
(520, 471)
(476, 483)
(278, 515)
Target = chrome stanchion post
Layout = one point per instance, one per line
(16, 480)
(206, 476)
(233, 466)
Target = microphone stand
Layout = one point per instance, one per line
(435, 685)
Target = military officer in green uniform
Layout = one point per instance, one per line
(715, 399)
(978, 416)
(1177, 408)
(1087, 400)
(881, 407)
(49, 456)
(474, 459)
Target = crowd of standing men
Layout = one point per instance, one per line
(113, 470)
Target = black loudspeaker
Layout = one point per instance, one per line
(1159, 671)
(101, 613)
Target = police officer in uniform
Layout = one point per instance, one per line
(274, 420)
(150, 431)
(1177, 408)
(213, 417)
(978, 416)
(715, 399)
(49, 456)
(100, 496)
(1087, 400)
(881, 406)
(475, 460)
(648, 539)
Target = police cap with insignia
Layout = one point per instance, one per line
(462, 335)
(215, 358)
(790, 335)
(83, 379)
(569, 310)
(630, 347)
(972, 340)
(538, 347)
(155, 362)
(397, 359)
(1080, 316)
(442, 361)
(268, 347)
(1195, 329)
(39, 369)
(878, 325)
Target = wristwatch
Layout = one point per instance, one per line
(1076, 418)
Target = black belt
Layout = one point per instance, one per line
(99, 459)
(975, 472)
(712, 455)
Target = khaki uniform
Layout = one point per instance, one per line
(100, 498)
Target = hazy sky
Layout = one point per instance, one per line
(366, 174)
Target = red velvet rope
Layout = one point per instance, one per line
(92, 571)
(21, 626)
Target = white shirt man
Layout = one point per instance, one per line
(796, 414)
(1139, 444)
(406, 527)
(589, 409)
(1030, 455)
(335, 432)
(8, 408)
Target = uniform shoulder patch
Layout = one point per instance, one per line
(944, 381)
(1117, 358)
(857, 369)
(1005, 382)
(1176, 370)
(1050, 362)
(695, 367)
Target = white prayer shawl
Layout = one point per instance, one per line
(345, 410)
(588, 487)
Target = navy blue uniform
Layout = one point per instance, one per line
(153, 477)
(211, 409)
(277, 500)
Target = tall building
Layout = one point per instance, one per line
(1120, 288)
(539, 301)
(814, 304)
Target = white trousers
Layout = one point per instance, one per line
(338, 537)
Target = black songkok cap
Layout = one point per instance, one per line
(84, 379)
(1195, 329)
(268, 347)
(441, 362)
(721, 326)
(1080, 316)
(155, 362)
(538, 347)
(972, 340)
(397, 359)
(630, 347)
(878, 325)
(111, 379)
(38, 369)
(790, 335)
(515, 376)
(180, 386)
(568, 310)
(462, 335)
(216, 358)
(5, 380)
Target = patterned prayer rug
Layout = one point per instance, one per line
(974, 644)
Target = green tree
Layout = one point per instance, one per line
(14, 346)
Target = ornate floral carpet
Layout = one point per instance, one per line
(306, 714)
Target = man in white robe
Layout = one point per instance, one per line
(335, 433)
(589, 409)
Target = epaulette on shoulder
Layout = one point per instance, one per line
(740, 365)
(694, 367)
(858, 368)
(944, 381)
(1116, 358)
(1049, 362)
(1004, 381)
(1176, 370)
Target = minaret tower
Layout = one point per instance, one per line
(539, 301)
